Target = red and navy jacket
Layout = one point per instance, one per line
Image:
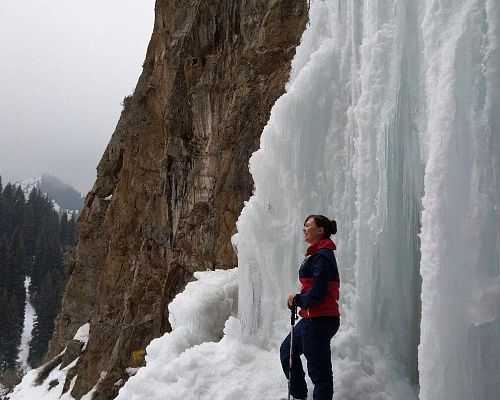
(320, 282)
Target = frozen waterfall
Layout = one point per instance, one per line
(391, 125)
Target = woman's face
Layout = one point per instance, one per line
(312, 232)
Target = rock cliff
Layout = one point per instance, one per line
(172, 181)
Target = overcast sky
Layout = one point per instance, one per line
(65, 67)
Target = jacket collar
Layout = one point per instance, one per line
(320, 244)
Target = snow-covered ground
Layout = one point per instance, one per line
(29, 321)
(52, 386)
(207, 355)
(50, 389)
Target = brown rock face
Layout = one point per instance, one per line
(174, 176)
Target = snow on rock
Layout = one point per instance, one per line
(52, 386)
(50, 389)
(82, 334)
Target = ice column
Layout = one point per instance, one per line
(459, 355)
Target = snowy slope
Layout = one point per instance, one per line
(52, 386)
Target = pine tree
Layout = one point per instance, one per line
(47, 303)
(29, 235)
(12, 265)
(4, 329)
(9, 212)
(72, 232)
(2, 212)
(19, 207)
(63, 230)
(48, 253)
(47, 283)
(10, 331)
(32, 239)
(37, 206)
(4, 263)
(18, 268)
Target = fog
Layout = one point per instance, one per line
(65, 67)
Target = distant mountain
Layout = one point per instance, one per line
(64, 197)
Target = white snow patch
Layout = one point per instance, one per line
(50, 389)
(56, 206)
(29, 321)
(132, 371)
(205, 304)
(82, 334)
(27, 185)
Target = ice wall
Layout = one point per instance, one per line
(459, 355)
(390, 125)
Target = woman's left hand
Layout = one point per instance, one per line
(291, 300)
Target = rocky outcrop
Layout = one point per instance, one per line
(174, 176)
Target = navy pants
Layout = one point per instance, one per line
(311, 337)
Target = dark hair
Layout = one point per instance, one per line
(330, 227)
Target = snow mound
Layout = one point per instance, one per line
(205, 304)
(229, 369)
(198, 318)
(82, 334)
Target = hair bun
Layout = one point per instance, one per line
(333, 224)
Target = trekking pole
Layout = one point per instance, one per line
(293, 317)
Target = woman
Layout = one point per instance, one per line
(318, 302)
